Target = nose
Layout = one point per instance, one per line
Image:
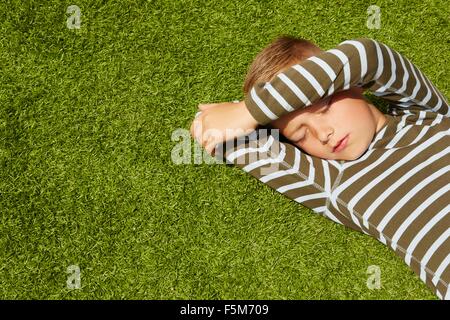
(324, 136)
(321, 128)
(324, 133)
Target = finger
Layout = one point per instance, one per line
(206, 106)
(198, 131)
(191, 129)
(207, 138)
(210, 148)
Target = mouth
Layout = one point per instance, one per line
(341, 144)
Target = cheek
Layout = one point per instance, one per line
(351, 110)
(311, 146)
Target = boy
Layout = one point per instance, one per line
(392, 178)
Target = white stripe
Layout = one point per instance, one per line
(296, 90)
(382, 94)
(320, 209)
(326, 175)
(232, 156)
(401, 131)
(405, 75)
(437, 95)
(427, 98)
(364, 191)
(309, 181)
(393, 72)
(402, 89)
(253, 165)
(422, 233)
(363, 173)
(441, 269)
(389, 191)
(362, 56)
(328, 70)
(410, 100)
(331, 90)
(387, 218)
(261, 105)
(416, 87)
(308, 76)
(413, 216)
(294, 186)
(380, 61)
(278, 97)
(431, 251)
(405, 104)
(324, 210)
(325, 67)
(321, 195)
(281, 173)
(345, 62)
(332, 217)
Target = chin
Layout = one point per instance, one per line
(360, 154)
(348, 157)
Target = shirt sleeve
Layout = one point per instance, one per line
(285, 168)
(360, 62)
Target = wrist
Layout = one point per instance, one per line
(247, 113)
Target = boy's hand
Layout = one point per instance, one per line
(220, 122)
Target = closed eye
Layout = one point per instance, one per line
(326, 108)
(302, 137)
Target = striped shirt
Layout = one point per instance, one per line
(398, 191)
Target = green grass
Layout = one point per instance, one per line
(87, 179)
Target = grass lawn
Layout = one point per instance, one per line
(86, 173)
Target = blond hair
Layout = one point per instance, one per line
(281, 53)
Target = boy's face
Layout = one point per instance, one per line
(320, 127)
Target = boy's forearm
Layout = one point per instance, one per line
(360, 62)
(312, 79)
(219, 122)
(245, 112)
